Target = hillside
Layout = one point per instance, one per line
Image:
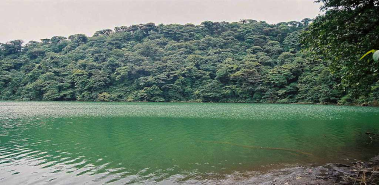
(246, 61)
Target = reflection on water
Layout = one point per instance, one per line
(122, 143)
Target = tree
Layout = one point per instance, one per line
(78, 38)
(247, 61)
(12, 47)
(347, 30)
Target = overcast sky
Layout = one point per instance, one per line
(37, 19)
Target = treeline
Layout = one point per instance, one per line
(246, 61)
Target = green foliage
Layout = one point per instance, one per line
(347, 30)
(247, 61)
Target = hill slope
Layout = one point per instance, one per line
(245, 61)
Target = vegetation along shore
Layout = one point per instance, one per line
(245, 61)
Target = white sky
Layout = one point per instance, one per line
(36, 19)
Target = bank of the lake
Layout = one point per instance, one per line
(93, 142)
(357, 172)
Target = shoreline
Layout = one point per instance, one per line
(297, 103)
(358, 172)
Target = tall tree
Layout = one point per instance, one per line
(347, 30)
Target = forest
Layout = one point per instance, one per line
(245, 61)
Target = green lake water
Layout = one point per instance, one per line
(77, 142)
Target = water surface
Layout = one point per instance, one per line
(76, 142)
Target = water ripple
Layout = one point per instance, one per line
(120, 143)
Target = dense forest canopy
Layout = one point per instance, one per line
(347, 30)
(246, 61)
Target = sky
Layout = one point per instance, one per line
(37, 19)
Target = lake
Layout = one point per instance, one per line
(118, 143)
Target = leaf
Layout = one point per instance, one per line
(375, 56)
(371, 51)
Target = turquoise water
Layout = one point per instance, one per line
(118, 143)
